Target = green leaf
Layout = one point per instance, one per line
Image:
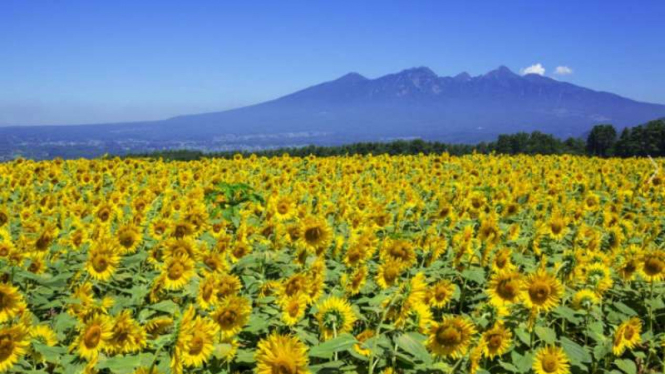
(245, 356)
(413, 343)
(546, 334)
(475, 275)
(627, 366)
(123, 364)
(326, 349)
(522, 363)
(577, 354)
(625, 309)
(257, 322)
(166, 306)
(328, 367)
(508, 366)
(568, 314)
(51, 354)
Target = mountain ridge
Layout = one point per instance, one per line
(412, 103)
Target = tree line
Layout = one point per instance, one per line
(602, 141)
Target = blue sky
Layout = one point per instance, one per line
(92, 61)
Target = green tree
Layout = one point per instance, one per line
(601, 140)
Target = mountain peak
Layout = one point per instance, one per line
(463, 76)
(501, 72)
(352, 77)
(421, 71)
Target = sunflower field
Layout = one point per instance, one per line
(363, 264)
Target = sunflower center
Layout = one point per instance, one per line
(3, 218)
(4, 251)
(92, 336)
(6, 347)
(284, 365)
(196, 345)
(448, 336)
(126, 239)
(283, 208)
(441, 293)
(653, 266)
(313, 234)
(539, 292)
(43, 242)
(227, 318)
(5, 300)
(104, 215)
(550, 364)
(99, 263)
(293, 309)
(176, 270)
(629, 333)
(556, 227)
(180, 231)
(507, 289)
(494, 342)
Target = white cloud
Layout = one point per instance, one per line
(534, 69)
(563, 70)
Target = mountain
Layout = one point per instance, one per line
(412, 103)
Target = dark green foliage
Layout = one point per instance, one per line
(643, 140)
(601, 140)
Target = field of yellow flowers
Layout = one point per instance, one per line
(373, 264)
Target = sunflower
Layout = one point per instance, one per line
(355, 282)
(129, 238)
(335, 316)
(13, 345)
(551, 360)
(105, 213)
(282, 354)
(232, 314)
(598, 276)
(293, 309)
(207, 297)
(502, 261)
(158, 229)
(628, 268)
(388, 273)
(542, 291)
(283, 208)
(441, 293)
(185, 247)
(315, 233)
(103, 259)
(585, 299)
(227, 285)
(496, 341)
(43, 334)
(11, 302)
(93, 337)
(158, 326)
(195, 341)
(450, 337)
(398, 250)
(176, 272)
(240, 249)
(360, 347)
(504, 288)
(627, 335)
(653, 266)
(557, 227)
(6, 249)
(127, 335)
